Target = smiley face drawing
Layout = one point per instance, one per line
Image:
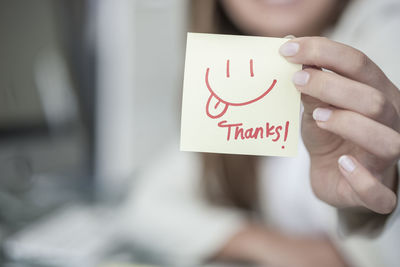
(216, 106)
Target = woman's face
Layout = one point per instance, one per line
(281, 17)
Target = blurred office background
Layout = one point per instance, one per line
(89, 93)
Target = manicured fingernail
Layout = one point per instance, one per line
(289, 49)
(290, 36)
(301, 78)
(322, 114)
(347, 163)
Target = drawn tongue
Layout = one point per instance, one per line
(215, 108)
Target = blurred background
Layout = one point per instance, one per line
(84, 86)
(90, 168)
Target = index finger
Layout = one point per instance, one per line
(334, 56)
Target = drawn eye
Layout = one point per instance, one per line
(228, 74)
(227, 69)
(251, 68)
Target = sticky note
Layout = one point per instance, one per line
(238, 96)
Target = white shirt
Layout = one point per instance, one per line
(168, 215)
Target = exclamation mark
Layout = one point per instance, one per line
(286, 133)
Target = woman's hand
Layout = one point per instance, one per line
(350, 124)
(260, 245)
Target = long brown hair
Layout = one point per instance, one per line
(229, 180)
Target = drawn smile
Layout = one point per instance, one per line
(215, 101)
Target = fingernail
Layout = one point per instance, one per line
(290, 36)
(301, 78)
(347, 164)
(289, 49)
(322, 114)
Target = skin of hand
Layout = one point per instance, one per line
(257, 244)
(350, 124)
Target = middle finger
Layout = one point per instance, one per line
(345, 93)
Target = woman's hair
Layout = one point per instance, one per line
(229, 180)
(208, 16)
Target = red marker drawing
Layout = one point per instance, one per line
(218, 100)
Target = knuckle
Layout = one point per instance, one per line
(342, 119)
(361, 61)
(395, 147)
(378, 105)
(320, 39)
(343, 190)
(390, 115)
(315, 49)
(325, 85)
(381, 109)
(367, 189)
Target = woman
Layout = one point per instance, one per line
(262, 210)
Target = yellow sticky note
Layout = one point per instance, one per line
(238, 96)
